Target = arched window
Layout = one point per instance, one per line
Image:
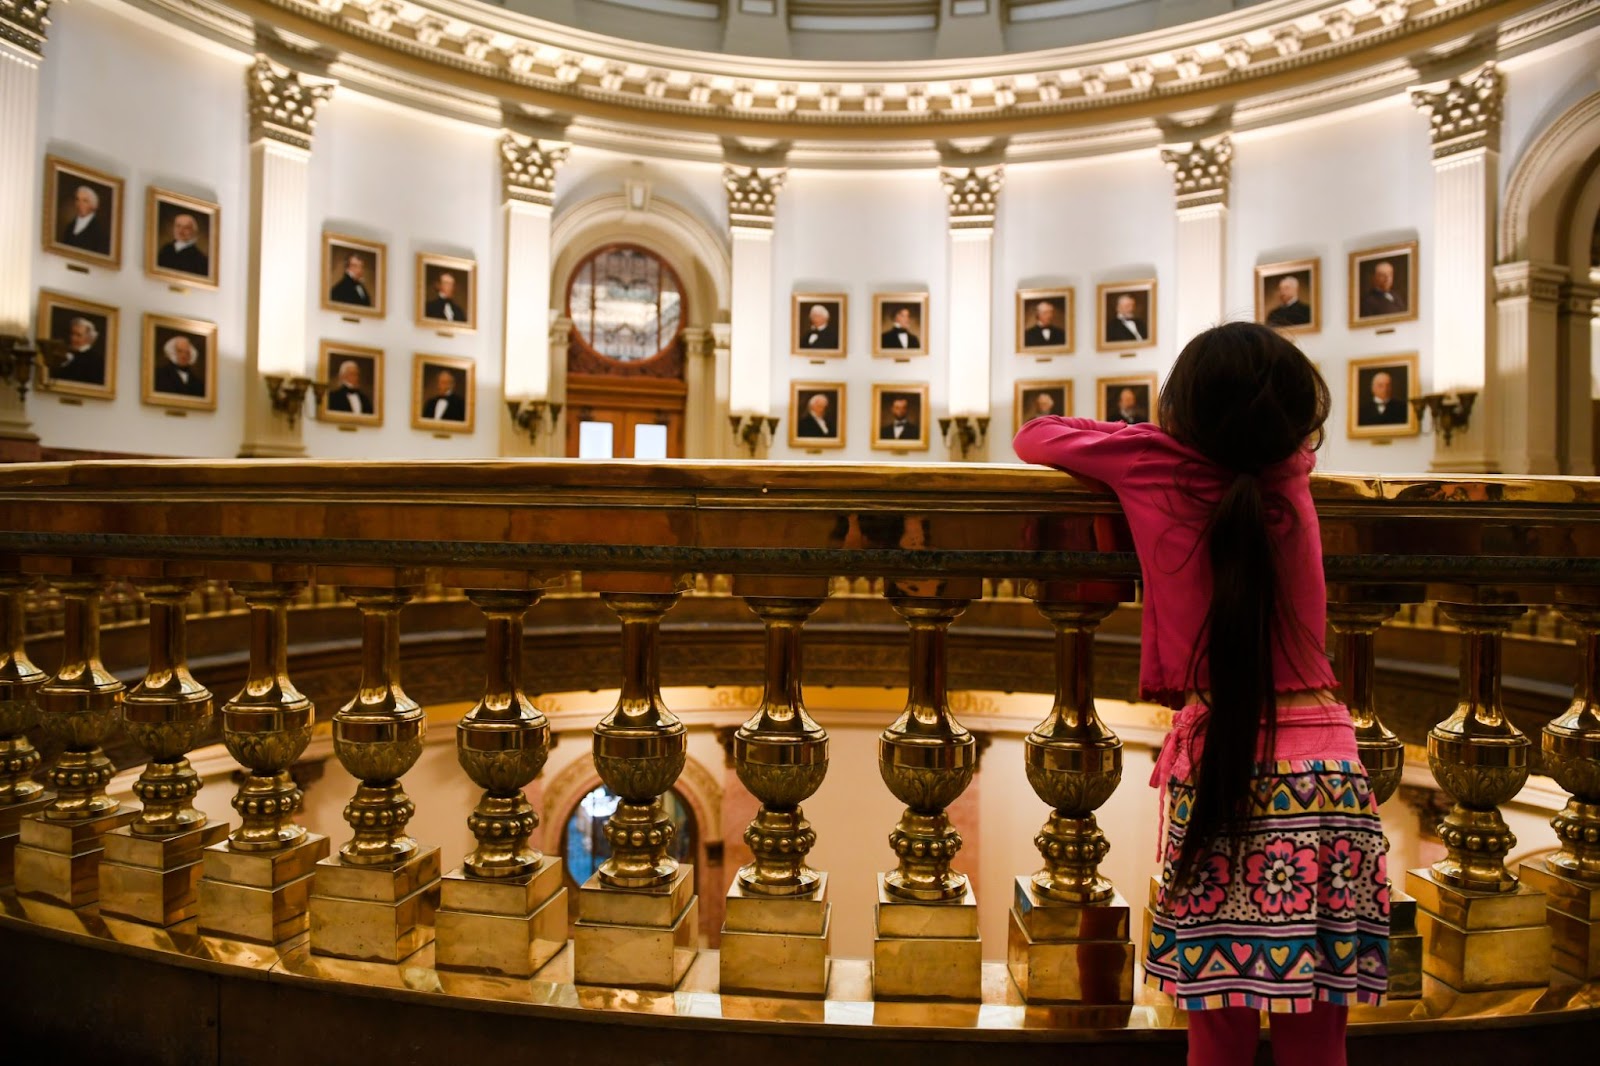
(625, 303)
(583, 838)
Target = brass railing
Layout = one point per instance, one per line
(1483, 552)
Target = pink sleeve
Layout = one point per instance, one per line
(1103, 451)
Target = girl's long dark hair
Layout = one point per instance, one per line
(1246, 399)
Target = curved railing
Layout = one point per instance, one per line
(265, 899)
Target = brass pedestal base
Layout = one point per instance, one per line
(1067, 952)
(636, 937)
(259, 896)
(154, 879)
(1405, 947)
(926, 950)
(11, 816)
(1481, 941)
(776, 945)
(59, 862)
(510, 926)
(374, 913)
(1573, 912)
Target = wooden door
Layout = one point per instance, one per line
(624, 406)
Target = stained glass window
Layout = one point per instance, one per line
(625, 303)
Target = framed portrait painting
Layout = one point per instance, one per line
(353, 275)
(1126, 313)
(178, 363)
(1380, 396)
(89, 330)
(1035, 399)
(354, 379)
(1289, 295)
(82, 213)
(817, 325)
(1125, 399)
(442, 394)
(900, 324)
(181, 236)
(447, 293)
(900, 417)
(1383, 285)
(1045, 321)
(816, 414)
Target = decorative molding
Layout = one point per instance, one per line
(1578, 298)
(973, 194)
(752, 194)
(1464, 113)
(1201, 171)
(528, 168)
(1537, 282)
(283, 102)
(24, 23)
(1570, 134)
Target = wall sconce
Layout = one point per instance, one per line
(288, 394)
(530, 416)
(964, 433)
(17, 359)
(1451, 411)
(753, 430)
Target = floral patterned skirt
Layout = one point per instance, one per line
(1290, 910)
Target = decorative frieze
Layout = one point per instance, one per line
(528, 168)
(1465, 113)
(24, 22)
(752, 194)
(1538, 282)
(283, 102)
(973, 194)
(1200, 171)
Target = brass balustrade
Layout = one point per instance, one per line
(1487, 549)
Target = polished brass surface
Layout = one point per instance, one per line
(374, 913)
(19, 702)
(1574, 916)
(262, 897)
(154, 879)
(1571, 749)
(80, 706)
(1405, 947)
(1355, 627)
(1478, 757)
(59, 861)
(1078, 954)
(504, 925)
(926, 950)
(636, 937)
(927, 759)
(1479, 941)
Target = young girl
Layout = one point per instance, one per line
(1274, 895)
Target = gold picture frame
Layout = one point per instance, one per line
(100, 240)
(426, 391)
(1107, 398)
(92, 369)
(337, 405)
(805, 341)
(886, 309)
(1369, 302)
(164, 379)
(343, 295)
(804, 430)
(1026, 400)
(198, 264)
(462, 301)
(1038, 338)
(1143, 318)
(1304, 313)
(884, 395)
(1370, 418)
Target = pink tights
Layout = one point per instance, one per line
(1227, 1037)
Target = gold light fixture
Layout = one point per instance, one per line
(17, 359)
(288, 394)
(964, 433)
(532, 416)
(753, 430)
(1451, 411)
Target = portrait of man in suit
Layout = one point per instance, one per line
(82, 213)
(1380, 397)
(85, 361)
(353, 276)
(354, 374)
(1288, 309)
(183, 253)
(1384, 402)
(181, 238)
(1044, 321)
(442, 305)
(447, 297)
(900, 324)
(182, 370)
(1379, 298)
(87, 228)
(818, 421)
(348, 395)
(88, 331)
(899, 336)
(816, 414)
(901, 423)
(1383, 285)
(351, 288)
(1040, 399)
(446, 401)
(819, 332)
(1126, 400)
(1127, 315)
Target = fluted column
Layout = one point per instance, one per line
(1464, 116)
(22, 35)
(528, 167)
(1575, 338)
(972, 196)
(283, 115)
(1201, 172)
(752, 204)
(1527, 298)
(20, 795)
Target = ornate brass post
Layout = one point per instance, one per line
(781, 755)
(505, 910)
(257, 883)
(58, 857)
(927, 944)
(637, 913)
(1480, 928)
(1068, 937)
(375, 900)
(20, 794)
(152, 866)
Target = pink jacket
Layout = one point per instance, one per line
(1168, 493)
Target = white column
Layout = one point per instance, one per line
(22, 30)
(1464, 116)
(1527, 296)
(1576, 329)
(1201, 171)
(973, 195)
(283, 115)
(752, 203)
(528, 178)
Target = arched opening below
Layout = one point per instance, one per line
(583, 840)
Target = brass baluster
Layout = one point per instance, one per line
(505, 910)
(638, 914)
(20, 794)
(927, 942)
(1480, 928)
(152, 866)
(58, 856)
(375, 900)
(256, 883)
(781, 755)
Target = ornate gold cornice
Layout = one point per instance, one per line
(1201, 171)
(528, 168)
(973, 194)
(1465, 112)
(752, 194)
(24, 22)
(283, 102)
